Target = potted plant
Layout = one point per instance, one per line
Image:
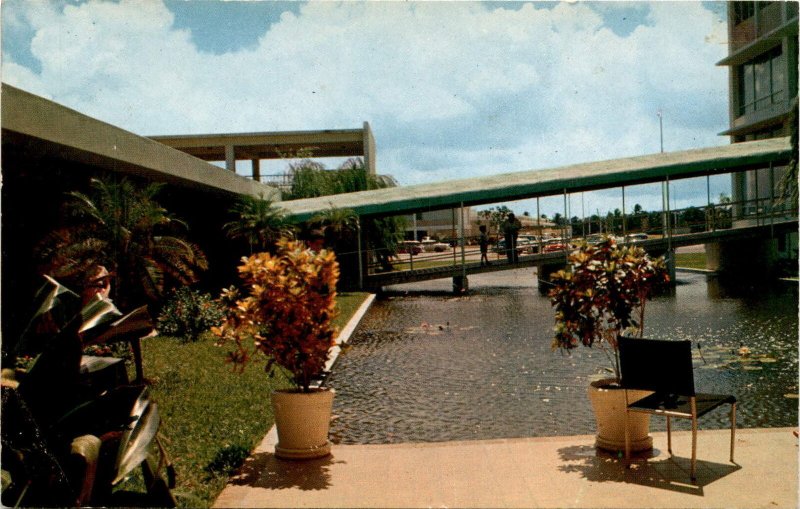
(601, 295)
(286, 313)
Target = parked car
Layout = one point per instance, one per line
(555, 245)
(410, 247)
(595, 239)
(431, 245)
(635, 237)
(523, 246)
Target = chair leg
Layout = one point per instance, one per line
(669, 436)
(627, 440)
(693, 473)
(733, 428)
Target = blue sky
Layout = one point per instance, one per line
(450, 89)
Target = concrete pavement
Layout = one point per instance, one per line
(527, 472)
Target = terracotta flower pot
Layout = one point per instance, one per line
(303, 420)
(609, 411)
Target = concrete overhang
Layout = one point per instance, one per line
(274, 145)
(760, 45)
(42, 128)
(529, 184)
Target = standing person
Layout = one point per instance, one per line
(511, 228)
(483, 242)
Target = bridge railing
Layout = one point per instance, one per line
(628, 228)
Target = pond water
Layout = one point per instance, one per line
(425, 366)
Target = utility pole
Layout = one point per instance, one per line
(661, 129)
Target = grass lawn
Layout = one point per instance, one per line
(211, 414)
(690, 260)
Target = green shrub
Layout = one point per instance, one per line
(188, 313)
(227, 460)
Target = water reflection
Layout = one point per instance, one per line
(427, 366)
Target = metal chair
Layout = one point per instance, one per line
(665, 367)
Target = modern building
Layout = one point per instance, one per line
(763, 77)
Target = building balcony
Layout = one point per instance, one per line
(759, 33)
(762, 118)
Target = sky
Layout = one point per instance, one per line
(450, 89)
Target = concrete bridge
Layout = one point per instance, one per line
(747, 248)
(746, 237)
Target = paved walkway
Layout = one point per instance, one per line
(527, 472)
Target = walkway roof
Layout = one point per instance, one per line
(529, 184)
(274, 145)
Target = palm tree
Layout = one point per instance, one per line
(339, 224)
(259, 223)
(382, 235)
(122, 227)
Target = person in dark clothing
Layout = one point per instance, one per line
(511, 228)
(483, 242)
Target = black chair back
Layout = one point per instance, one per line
(656, 365)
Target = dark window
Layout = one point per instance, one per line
(791, 10)
(743, 11)
(762, 81)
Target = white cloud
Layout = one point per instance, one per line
(451, 89)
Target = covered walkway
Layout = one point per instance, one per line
(554, 181)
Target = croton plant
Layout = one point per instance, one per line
(602, 293)
(286, 311)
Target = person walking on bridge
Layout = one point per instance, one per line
(483, 242)
(511, 227)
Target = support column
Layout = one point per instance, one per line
(669, 256)
(230, 158)
(543, 273)
(745, 260)
(360, 255)
(256, 163)
(460, 284)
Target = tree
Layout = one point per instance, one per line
(381, 235)
(694, 218)
(121, 226)
(259, 223)
(495, 217)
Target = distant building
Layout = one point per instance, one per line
(763, 76)
(441, 224)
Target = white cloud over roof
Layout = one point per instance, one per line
(451, 89)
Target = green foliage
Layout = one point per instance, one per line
(603, 293)
(788, 185)
(227, 460)
(382, 235)
(188, 313)
(205, 406)
(120, 225)
(259, 222)
(495, 216)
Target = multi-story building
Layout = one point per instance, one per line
(763, 77)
